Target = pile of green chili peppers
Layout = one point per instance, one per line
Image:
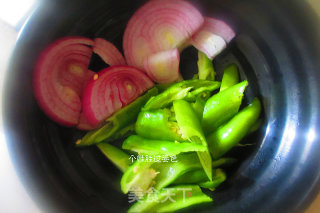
(195, 121)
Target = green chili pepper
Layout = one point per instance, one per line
(187, 169)
(231, 133)
(119, 121)
(163, 87)
(192, 95)
(198, 106)
(199, 103)
(125, 132)
(190, 127)
(180, 197)
(144, 175)
(256, 126)
(191, 177)
(119, 158)
(170, 171)
(230, 77)
(218, 178)
(223, 162)
(165, 98)
(222, 106)
(205, 67)
(138, 176)
(155, 124)
(152, 147)
(176, 92)
(199, 176)
(195, 76)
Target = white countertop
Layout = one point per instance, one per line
(13, 197)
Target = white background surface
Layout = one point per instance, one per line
(13, 197)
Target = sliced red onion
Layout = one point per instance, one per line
(157, 26)
(111, 89)
(163, 67)
(212, 37)
(108, 52)
(210, 44)
(85, 125)
(60, 73)
(219, 28)
(185, 45)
